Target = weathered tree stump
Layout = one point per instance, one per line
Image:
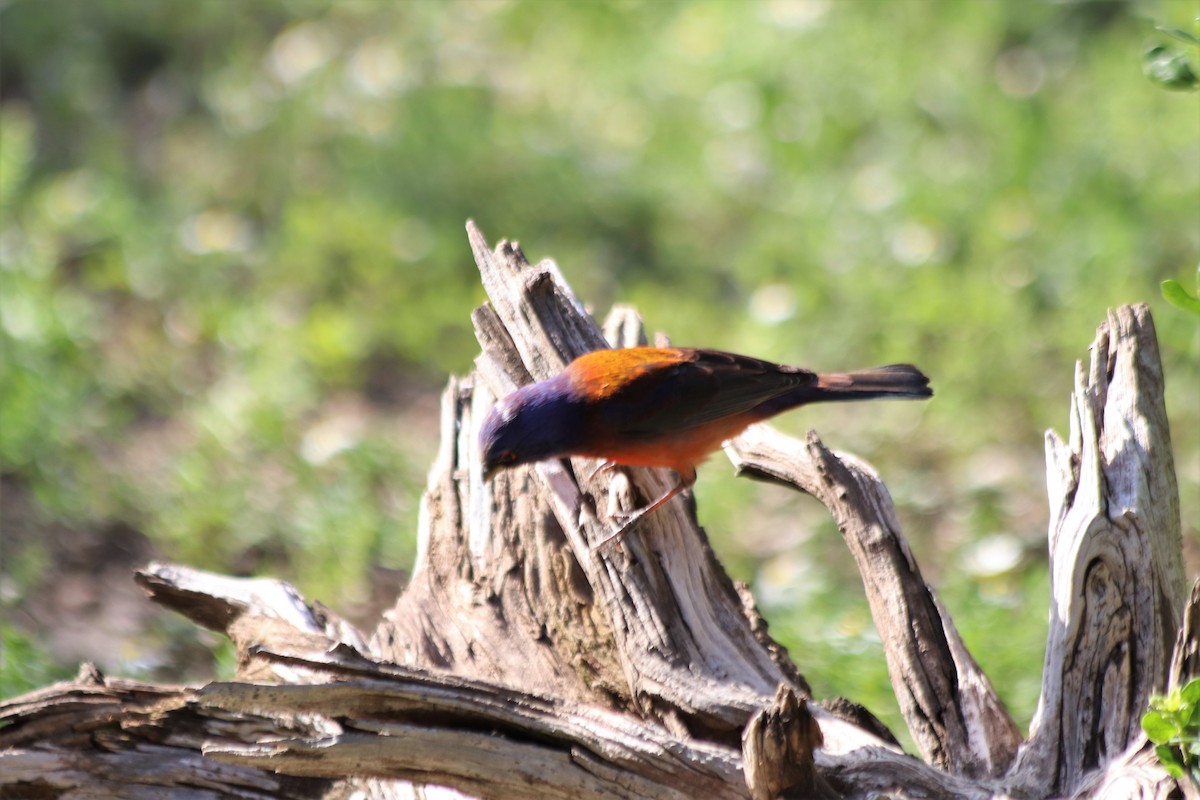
(523, 662)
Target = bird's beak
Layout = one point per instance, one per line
(489, 472)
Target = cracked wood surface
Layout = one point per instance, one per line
(950, 706)
(1117, 586)
(522, 662)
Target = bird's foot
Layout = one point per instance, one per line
(629, 522)
(635, 517)
(603, 466)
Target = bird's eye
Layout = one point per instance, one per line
(508, 457)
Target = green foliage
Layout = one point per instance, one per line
(233, 273)
(1168, 66)
(1176, 295)
(817, 608)
(24, 666)
(225, 658)
(1173, 725)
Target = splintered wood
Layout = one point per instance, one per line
(521, 661)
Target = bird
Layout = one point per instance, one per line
(664, 407)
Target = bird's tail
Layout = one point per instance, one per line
(894, 380)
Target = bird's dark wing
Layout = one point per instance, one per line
(656, 391)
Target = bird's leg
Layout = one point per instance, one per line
(637, 515)
(603, 466)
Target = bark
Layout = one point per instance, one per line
(777, 751)
(523, 660)
(1117, 586)
(952, 711)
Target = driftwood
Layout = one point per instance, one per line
(522, 661)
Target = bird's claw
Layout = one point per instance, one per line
(603, 466)
(626, 523)
(631, 520)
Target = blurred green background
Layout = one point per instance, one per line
(235, 277)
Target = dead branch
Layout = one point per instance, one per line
(521, 661)
(951, 708)
(1117, 588)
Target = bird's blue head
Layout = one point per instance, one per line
(536, 422)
